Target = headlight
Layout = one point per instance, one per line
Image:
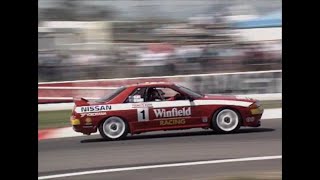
(256, 111)
(256, 108)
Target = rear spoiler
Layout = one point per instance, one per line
(80, 101)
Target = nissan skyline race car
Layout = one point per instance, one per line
(162, 106)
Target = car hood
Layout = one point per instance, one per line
(227, 97)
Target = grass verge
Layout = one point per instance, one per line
(53, 119)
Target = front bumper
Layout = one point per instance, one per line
(253, 117)
(257, 124)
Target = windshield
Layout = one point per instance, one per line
(190, 92)
(111, 95)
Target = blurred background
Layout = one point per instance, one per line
(91, 39)
(88, 48)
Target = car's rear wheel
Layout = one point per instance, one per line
(113, 128)
(226, 121)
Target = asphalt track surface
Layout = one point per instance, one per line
(85, 153)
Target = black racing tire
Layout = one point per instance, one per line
(226, 121)
(113, 128)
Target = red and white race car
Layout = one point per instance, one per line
(162, 106)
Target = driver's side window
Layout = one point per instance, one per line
(153, 94)
(163, 94)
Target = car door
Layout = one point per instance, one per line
(138, 112)
(168, 113)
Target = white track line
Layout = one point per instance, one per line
(160, 166)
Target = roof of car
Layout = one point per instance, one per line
(148, 84)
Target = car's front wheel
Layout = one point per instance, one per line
(113, 128)
(226, 121)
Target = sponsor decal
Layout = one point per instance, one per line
(250, 119)
(141, 105)
(174, 112)
(97, 108)
(88, 121)
(94, 114)
(204, 119)
(169, 122)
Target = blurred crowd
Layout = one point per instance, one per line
(159, 59)
(149, 45)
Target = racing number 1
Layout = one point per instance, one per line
(143, 114)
